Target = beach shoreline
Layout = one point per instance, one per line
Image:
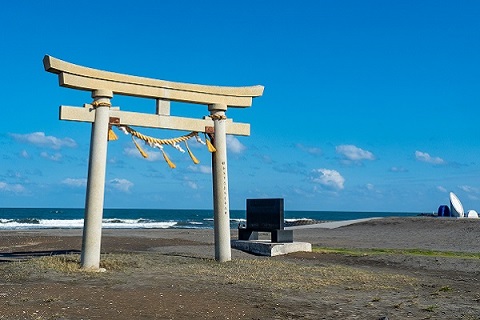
(176, 277)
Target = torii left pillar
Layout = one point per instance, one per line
(92, 228)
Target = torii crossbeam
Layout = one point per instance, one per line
(103, 85)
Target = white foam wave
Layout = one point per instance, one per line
(231, 220)
(78, 223)
(298, 219)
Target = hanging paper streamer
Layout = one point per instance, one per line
(123, 129)
(178, 147)
(199, 140)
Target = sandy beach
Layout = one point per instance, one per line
(171, 274)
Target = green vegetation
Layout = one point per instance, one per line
(412, 252)
(430, 308)
(445, 289)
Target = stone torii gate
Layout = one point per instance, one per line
(103, 85)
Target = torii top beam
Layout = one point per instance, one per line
(83, 78)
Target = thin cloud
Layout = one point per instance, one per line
(122, 185)
(53, 157)
(425, 157)
(469, 189)
(266, 159)
(398, 169)
(472, 192)
(354, 153)
(200, 169)
(14, 188)
(39, 139)
(24, 154)
(234, 145)
(328, 178)
(76, 183)
(442, 189)
(311, 150)
(152, 155)
(291, 167)
(192, 185)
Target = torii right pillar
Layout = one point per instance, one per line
(221, 210)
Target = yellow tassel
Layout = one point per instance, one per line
(111, 135)
(195, 160)
(143, 153)
(210, 146)
(170, 163)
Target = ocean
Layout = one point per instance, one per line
(58, 218)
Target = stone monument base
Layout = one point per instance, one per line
(267, 248)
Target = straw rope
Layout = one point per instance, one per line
(152, 140)
(217, 117)
(101, 104)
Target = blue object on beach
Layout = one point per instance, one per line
(443, 211)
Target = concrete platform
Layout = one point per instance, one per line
(267, 248)
(331, 224)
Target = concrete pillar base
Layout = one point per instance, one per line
(267, 248)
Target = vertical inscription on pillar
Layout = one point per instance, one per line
(225, 187)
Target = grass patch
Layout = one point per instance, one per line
(430, 308)
(445, 289)
(274, 274)
(411, 252)
(288, 275)
(68, 264)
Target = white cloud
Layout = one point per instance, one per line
(192, 185)
(152, 155)
(24, 154)
(442, 189)
(121, 184)
(234, 145)
(15, 188)
(398, 169)
(54, 157)
(425, 157)
(329, 178)
(200, 169)
(74, 182)
(353, 153)
(469, 189)
(39, 139)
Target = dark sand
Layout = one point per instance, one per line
(169, 274)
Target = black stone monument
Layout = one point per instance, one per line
(265, 215)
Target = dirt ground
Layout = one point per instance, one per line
(170, 274)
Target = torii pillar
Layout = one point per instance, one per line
(97, 165)
(221, 221)
(104, 85)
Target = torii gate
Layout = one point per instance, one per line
(103, 85)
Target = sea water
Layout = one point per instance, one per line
(47, 218)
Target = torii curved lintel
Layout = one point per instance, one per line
(83, 78)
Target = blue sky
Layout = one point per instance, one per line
(368, 105)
